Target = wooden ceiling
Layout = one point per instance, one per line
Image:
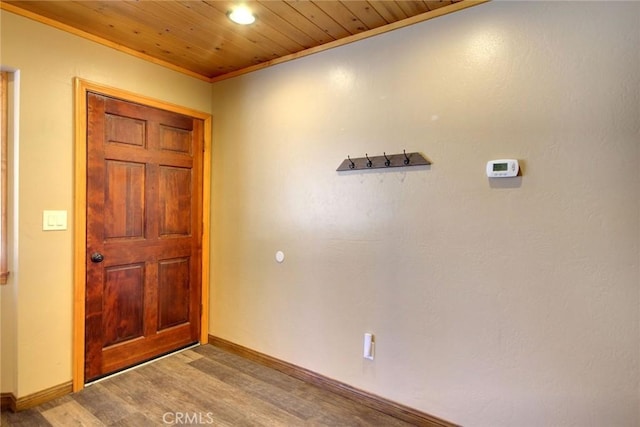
(197, 38)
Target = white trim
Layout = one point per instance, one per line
(13, 173)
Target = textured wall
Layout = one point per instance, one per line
(504, 303)
(42, 287)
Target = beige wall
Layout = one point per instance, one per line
(507, 303)
(48, 61)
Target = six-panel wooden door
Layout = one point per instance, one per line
(144, 233)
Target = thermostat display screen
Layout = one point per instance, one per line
(499, 167)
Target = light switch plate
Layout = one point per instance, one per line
(54, 220)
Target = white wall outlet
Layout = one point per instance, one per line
(369, 345)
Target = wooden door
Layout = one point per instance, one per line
(144, 233)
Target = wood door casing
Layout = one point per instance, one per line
(144, 216)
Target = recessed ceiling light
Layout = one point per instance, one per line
(242, 15)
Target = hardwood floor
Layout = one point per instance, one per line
(201, 386)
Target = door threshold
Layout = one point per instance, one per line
(148, 362)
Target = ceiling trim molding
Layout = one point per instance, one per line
(454, 7)
(69, 29)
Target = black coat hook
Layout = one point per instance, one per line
(387, 161)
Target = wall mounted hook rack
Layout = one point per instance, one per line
(385, 161)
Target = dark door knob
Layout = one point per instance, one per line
(97, 257)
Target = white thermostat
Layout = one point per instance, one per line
(504, 168)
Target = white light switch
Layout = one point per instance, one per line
(54, 220)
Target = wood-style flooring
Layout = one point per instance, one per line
(201, 386)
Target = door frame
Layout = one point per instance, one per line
(81, 87)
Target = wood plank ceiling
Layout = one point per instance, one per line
(197, 38)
